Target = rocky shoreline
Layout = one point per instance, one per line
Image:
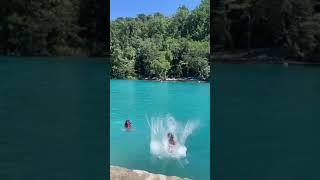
(120, 173)
(169, 80)
(175, 79)
(258, 56)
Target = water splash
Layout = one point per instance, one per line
(160, 127)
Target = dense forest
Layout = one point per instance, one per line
(290, 25)
(156, 46)
(50, 28)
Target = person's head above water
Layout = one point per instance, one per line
(171, 138)
(127, 124)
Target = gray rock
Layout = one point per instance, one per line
(119, 173)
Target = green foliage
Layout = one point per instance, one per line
(43, 28)
(198, 23)
(160, 66)
(196, 59)
(178, 22)
(159, 47)
(290, 24)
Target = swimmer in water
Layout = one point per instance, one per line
(127, 124)
(171, 139)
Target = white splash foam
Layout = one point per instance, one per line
(159, 145)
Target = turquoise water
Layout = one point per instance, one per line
(53, 118)
(141, 101)
(266, 122)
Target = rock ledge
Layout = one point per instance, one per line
(119, 173)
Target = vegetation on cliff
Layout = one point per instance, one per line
(155, 46)
(48, 28)
(289, 25)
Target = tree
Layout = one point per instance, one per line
(198, 24)
(155, 46)
(178, 22)
(196, 59)
(160, 66)
(47, 28)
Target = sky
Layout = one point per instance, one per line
(130, 8)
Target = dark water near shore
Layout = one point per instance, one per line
(266, 122)
(53, 117)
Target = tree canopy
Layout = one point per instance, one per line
(289, 24)
(156, 46)
(48, 28)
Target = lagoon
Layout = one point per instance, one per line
(266, 122)
(53, 118)
(142, 101)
